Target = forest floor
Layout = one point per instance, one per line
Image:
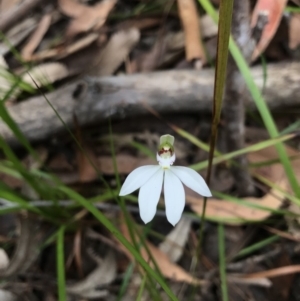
(88, 88)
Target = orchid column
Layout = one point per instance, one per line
(150, 179)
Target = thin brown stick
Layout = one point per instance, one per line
(36, 36)
(190, 22)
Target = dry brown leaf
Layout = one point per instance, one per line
(85, 18)
(45, 74)
(87, 171)
(4, 259)
(273, 9)
(36, 37)
(235, 213)
(104, 273)
(264, 282)
(168, 269)
(71, 8)
(271, 273)
(115, 52)
(282, 233)
(174, 243)
(294, 31)
(190, 21)
(87, 162)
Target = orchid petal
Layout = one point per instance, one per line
(191, 179)
(149, 196)
(174, 197)
(137, 178)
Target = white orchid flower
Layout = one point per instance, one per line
(150, 179)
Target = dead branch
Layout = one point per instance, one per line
(94, 100)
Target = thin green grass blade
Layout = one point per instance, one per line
(7, 194)
(143, 149)
(3, 111)
(60, 258)
(19, 202)
(292, 127)
(126, 281)
(129, 223)
(141, 289)
(121, 202)
(4, 211)
(35, 185)
(287, 195)
(222, 262)
(224, 28)
(292, 9)
(249, 149)
(41, 188)
(13, 50)
(7, 168)
(271, 162)
(15, 129)
(265, 72)
(257, 246)
(194, 140)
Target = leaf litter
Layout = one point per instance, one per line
(79, 39)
